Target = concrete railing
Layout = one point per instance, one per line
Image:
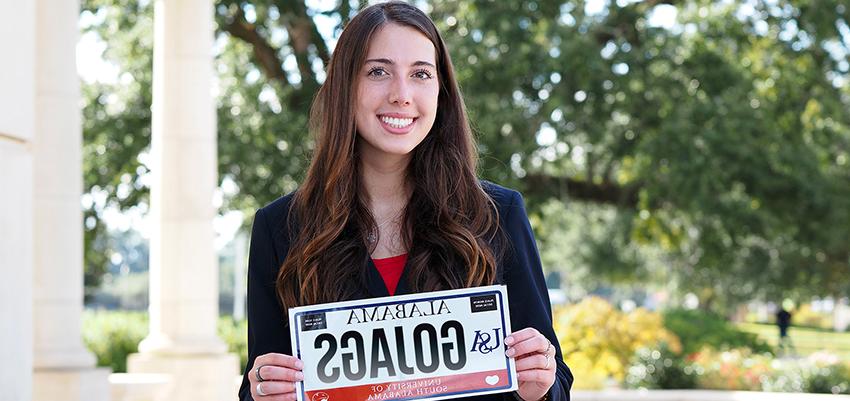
(138, 386)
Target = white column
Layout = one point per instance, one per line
(183, 262)
(17, 50)
(15, 256)
(841, 314)
(63, 367)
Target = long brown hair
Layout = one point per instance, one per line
(449, 222)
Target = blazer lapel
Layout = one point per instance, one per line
(375, 285)
(402, 287)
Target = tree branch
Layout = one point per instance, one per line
(303, 32)
(265, 55)
(542, 185)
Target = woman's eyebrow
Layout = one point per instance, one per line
(390, 62)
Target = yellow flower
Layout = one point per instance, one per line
(598, 340)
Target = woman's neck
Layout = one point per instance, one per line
(385, 182)
(387, 189)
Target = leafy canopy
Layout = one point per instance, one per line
(710, 153)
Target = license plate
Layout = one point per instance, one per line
(427, 346)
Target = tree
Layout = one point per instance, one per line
(717, 146)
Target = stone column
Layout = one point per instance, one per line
(63, 368)
(183, 261)
(17, 45)
(17, 116)
(15, 249)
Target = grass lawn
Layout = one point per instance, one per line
(806, 340)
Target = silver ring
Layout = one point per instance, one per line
(257, 373)
(548, 362)
(260, 390)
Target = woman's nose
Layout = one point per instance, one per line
(400, 93)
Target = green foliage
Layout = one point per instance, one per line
(235, 334)
(116, 123)
(830, 379)
(697, 329)
(740, 369)
(598, 341)
(660, 369)
(720, 145)
(595, 337)
(597, 241)
(113, 335)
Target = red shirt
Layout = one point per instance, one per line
(390, 269)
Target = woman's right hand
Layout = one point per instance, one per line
(273, 377)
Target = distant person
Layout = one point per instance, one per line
(783, 321)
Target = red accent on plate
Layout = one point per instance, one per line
(415, 388)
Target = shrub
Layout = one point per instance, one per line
(235, 334)
(826, 374)
(113, 335)
(734, 369)
(740, 369)
(660, 369)
(807, 317)
(598, 341)
(833, 379)
(697, 329)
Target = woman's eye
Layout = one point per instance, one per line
(377, 72)
(422, 74)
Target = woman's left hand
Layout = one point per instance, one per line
(535, 362)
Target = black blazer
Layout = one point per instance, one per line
(519, 269)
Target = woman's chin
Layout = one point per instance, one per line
(389, 153)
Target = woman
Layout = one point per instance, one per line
(391, 205)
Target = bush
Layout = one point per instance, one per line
(833, 379)
(697, 329)
(660, 369)
(113, 335)
(826, 374)
(805, 316)
(598, 341)
(235, 334)
(734, 369)
(740, 369)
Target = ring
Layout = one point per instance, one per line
(548, 357)
(257, 373)
(260, 390)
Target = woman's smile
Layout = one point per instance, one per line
(396, 124)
